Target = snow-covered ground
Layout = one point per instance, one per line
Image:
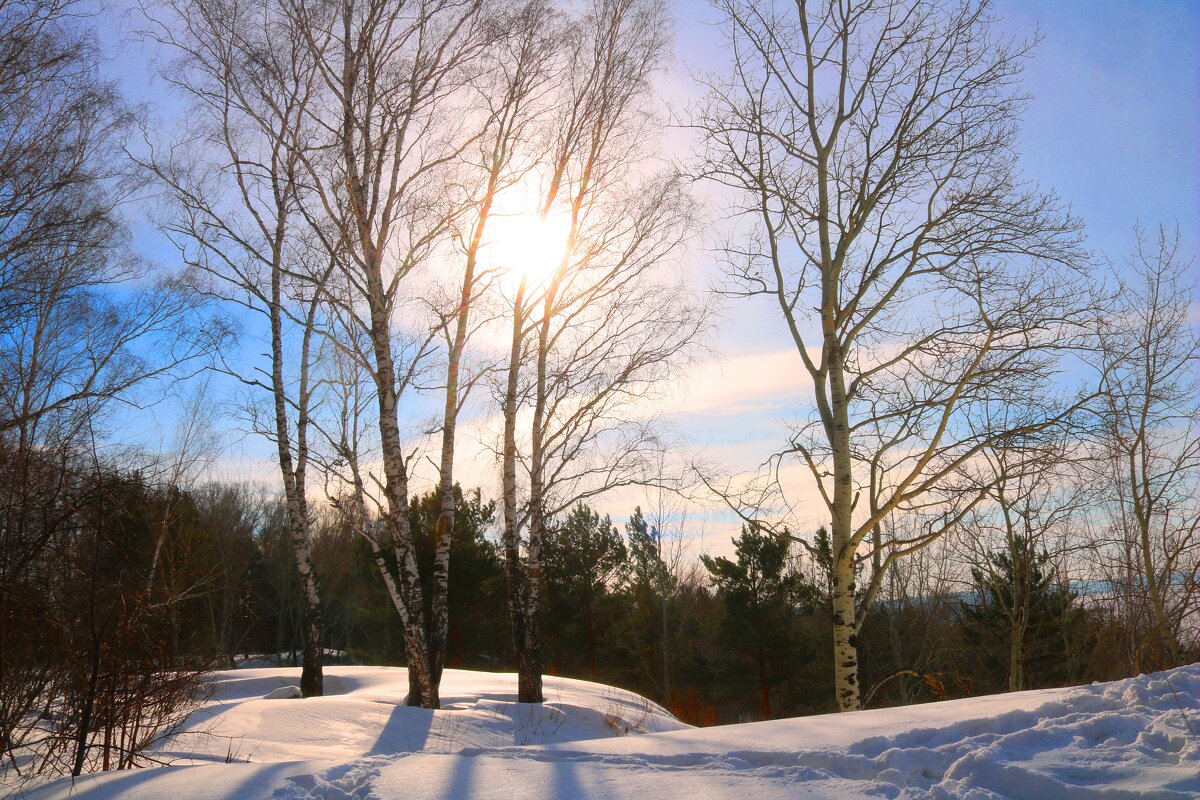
(1129, 739)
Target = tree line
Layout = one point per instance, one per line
(396, 222)
(152, 584)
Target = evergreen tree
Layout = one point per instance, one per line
(582, 557)
(647, 584)
(648, 573)
(1017, 622)
(760, 595)
(478, 632)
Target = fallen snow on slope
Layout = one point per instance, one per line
(1126, 740)
(256, 715)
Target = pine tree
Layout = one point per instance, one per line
(1018, 618)
(760, 595)
(477, 629)
(647, 585)
(582, 557)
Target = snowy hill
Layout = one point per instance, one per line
(1122, 740)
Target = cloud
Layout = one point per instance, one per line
(746, 384)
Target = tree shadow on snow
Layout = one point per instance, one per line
(406, 731)
(111, 786)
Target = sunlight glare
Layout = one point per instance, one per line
(524, 245)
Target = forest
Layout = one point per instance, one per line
(442, 268)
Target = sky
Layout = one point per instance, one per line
(1113, 126)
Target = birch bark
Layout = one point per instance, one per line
(514, 576)
(240, 211)
(911, 266)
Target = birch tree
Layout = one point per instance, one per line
(509, 76)
(349, 483)
(391, 124)
(1152, 445)
(929, 291)
(521, 67)
(235, 183)
(593, 337)
(508, 88)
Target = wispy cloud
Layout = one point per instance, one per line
(746, 384)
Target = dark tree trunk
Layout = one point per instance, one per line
(764, 686)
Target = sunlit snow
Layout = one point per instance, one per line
(1128, 739)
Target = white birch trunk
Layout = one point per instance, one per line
(513, 577)
(311, 676)
(448, 505)
(529, 683)
(422, 691)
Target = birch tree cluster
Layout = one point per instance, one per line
(353, 176)
(944, 308)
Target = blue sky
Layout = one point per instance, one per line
(1113, 126)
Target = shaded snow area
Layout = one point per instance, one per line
(1128, 739)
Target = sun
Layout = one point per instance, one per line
(522, 244)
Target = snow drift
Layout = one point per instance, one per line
(1129, 739)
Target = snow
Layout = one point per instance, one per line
(1130, 739)
(252, 716)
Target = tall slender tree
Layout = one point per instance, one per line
(592, 339)
(391, 125)
(1015, 540)
(521, 67)
(236, 183)
(930, 293)
(1152, 443)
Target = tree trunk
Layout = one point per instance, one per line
(513, 573)
(589, 626)
(423, 692)
(312, 680)
(845, 634)
(444, 532)
(160, 539)
(1016, 672)
(85, 719)
(845, 606)
(530, 679)
(1162, 626)
(764, 686)
(311, 677)
(529, 683)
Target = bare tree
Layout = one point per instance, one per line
(232, 513)
(668, 520)
(195, 446)
(71, 343)
(1034, 505)
(345, 476)
(391, 124)
(85, 325)
(1152, 445)
(512, 87)
(235, 180)
(602, 329)
(867, 149)
(88, 678)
